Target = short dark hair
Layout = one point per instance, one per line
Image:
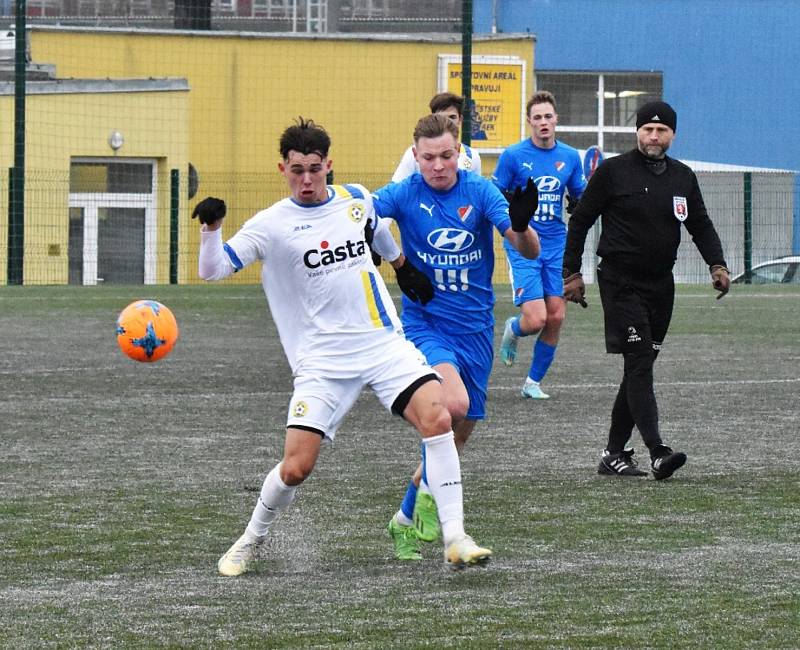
(541, 97)
(443, 101)
(435, 125)
(305, 137)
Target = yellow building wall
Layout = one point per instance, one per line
(245, 89)
(62, 126)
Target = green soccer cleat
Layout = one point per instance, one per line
(238, 559)
(426, 518)
(532, 390)
(406, 544)
(464, 552)
(508, 346)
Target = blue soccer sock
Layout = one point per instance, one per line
(516, 328)
(424, 478)
(410, 498)
(543, 354)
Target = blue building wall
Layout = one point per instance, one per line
(729, 66)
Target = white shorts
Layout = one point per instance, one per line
(320, 402)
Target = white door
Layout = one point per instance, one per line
(112, 231)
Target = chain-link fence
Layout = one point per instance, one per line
(127, 121)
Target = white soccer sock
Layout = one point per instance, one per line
(401, 519)
(275, 497)
(444, 479)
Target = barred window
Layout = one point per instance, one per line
(599, 108)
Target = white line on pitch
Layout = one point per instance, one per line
(726, 382)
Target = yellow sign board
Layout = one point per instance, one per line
(498, 95)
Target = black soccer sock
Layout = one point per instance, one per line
(641, 396)
(621, 420)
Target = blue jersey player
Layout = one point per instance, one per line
(537, 286)
(446, 219)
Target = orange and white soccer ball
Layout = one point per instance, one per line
(146, 330)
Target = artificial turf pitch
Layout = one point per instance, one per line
(122, 483)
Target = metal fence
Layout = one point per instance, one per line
(122, 129)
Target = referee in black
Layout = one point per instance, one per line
(644, 197)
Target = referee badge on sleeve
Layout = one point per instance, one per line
(679, 208)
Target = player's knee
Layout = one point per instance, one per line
(555, 319)
(435, 420)
(532, 324)
(458, 407)
(295, 470)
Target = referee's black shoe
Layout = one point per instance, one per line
(664, 462)
(620, 464)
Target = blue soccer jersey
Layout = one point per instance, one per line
(449, 236)
(553, 170)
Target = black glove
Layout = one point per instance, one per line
(571, 204)
(721, 279)
(209, 210)
(369, 235)
(414, 283)
(522, 205)
(575, 289)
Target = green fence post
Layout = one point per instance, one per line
(16, 175)
(466, 70)
(15, 234)
(748, 226)
(174, 205)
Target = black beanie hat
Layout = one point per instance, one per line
(658, 112)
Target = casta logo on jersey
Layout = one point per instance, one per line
(325, 255)
(450, 240)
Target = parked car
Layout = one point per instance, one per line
(781, 269)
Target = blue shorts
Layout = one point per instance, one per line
(539, 278)
(470, 354)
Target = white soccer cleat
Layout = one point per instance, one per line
(464, 552)
(532, 390)
(508, 345)
(239, 557)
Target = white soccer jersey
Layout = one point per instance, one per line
(327, 299)
(468, 160)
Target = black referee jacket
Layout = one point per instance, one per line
(642, 215)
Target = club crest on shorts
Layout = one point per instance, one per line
(680, 208)
(299, 409)
(356, 212)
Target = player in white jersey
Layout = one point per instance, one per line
(451, 106)
(339, 329)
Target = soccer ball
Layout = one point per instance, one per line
(146, 330)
